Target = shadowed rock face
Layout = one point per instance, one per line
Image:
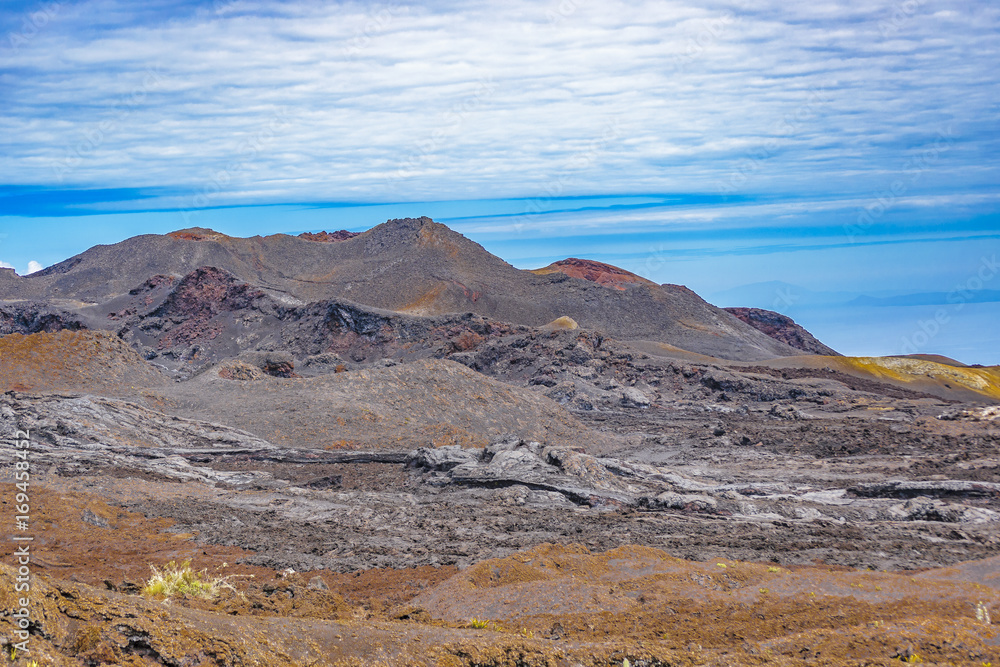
(783, 328)
(29, 318)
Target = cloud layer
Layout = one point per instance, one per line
(212, 103)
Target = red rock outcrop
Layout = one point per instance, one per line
(783, 328)
(187, 314)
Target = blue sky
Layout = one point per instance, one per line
(836, 146)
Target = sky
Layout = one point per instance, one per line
(837, 147)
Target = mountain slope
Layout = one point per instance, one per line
(783, 328)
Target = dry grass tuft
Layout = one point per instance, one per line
(182, 579)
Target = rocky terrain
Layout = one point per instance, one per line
(443, 484)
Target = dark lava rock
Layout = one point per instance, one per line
(31, 317)
(327, 237)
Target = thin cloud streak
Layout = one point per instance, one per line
(695, 90)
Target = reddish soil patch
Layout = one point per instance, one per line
(197, 234)
(596, 272)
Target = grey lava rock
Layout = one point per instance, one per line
(633, 398)
(318, 584)
(443, 459)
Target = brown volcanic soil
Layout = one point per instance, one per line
(78, 536)
(91, 361)
(644, 594)
(551, 605)
(399, 407)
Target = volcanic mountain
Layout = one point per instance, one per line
(414, 266)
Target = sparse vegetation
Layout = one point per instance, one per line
(182, 579)
(86, 639)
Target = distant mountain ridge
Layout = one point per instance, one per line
(777, 295)
(782, 296)
(413, 266)
(928, 299)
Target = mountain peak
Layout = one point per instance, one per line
(603, 274)
(402, 234)
(197, 234)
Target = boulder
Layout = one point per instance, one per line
(633, 398)
(442, 459)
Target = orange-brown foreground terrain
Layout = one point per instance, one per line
(550, 605)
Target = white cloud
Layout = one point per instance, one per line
(269, 101)
(34, 266)
(5, 265)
